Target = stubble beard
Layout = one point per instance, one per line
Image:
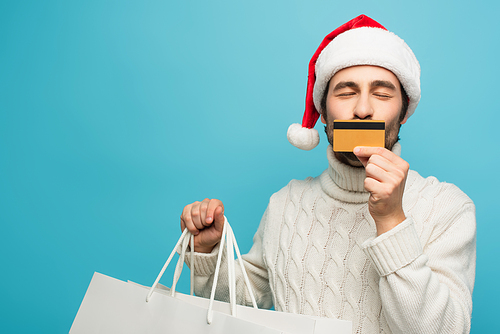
(349, 158)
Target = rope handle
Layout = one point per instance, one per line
(231, 246)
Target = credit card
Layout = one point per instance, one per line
(348, 134)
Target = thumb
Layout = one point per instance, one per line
(219, 218)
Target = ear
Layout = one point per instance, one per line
(323, 120)
(405, 119)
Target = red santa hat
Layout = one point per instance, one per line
(361, 41)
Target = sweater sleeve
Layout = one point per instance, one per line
(427, 288)
(204, 270)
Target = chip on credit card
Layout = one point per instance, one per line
(347, 134)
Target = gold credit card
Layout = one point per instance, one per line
(349, 134)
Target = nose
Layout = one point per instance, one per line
(363, 108)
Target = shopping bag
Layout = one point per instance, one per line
(114, 306)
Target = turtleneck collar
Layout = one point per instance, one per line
(344, 182)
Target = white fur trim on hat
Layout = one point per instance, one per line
(369, 46)
(303, 138)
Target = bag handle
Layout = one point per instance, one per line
(231, 247)
(180, 263)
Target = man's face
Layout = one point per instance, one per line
(364, 92)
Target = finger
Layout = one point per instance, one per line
(196, 216)
(187, 221)
(388, 171)
(373, 186)
(379, 191)
(183, 224)
(368, 151)
(203, 212)
(376, 172)
(189, 225)
(378, 178)
(212, 205)
(365, 152)
(184, 214)
(379, 181)
(384, 164)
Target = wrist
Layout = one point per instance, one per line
(204, 249)
(387, 223)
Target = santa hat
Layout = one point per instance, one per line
(361, 41)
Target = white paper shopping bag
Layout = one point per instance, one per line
(114, 306)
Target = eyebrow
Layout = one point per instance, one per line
(345, 84)
(382, 83)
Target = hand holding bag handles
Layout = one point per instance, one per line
(231, 246)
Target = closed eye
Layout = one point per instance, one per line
(382, 95)
(347, 94)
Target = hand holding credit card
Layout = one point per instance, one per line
(347, 134)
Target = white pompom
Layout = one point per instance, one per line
(303, 138)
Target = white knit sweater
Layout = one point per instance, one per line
(316, 253)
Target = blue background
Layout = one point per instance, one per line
(116, 114)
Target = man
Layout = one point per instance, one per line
(368, 240)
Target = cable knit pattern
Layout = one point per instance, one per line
(316, 253)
